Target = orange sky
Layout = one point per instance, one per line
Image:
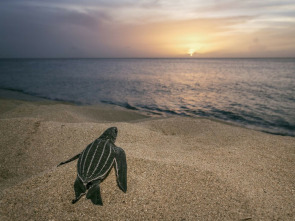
(128, 28)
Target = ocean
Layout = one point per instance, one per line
(253, 93)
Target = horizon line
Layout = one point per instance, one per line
(69, 58)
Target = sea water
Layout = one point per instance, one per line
(256, 93)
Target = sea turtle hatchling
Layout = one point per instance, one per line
(94, 164)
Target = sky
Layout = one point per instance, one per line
(146, 28)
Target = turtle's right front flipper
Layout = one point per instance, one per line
(67, 161)
(121, 168)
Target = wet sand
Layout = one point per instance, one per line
(178, 168)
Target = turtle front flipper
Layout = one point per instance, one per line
(79, 188)
(94, 194)
(121, 168)
(67, 161)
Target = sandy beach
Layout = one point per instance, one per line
(179, 168)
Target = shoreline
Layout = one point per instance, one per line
(178, 167)
(7, 94)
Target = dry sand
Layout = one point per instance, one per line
(178, 168)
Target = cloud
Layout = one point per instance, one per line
(34, 31)
(129, 28)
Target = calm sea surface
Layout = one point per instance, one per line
(256, 93)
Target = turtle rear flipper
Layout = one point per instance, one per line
(121, 168)
(94, 194)
(79, 188)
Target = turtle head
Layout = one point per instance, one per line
(110, 133)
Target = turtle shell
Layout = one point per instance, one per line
(96, 160)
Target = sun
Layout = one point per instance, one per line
(191, 51)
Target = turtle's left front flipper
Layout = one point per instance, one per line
(67, 161)
(121, 168)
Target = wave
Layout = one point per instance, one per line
(121, 104)
(280, 127)
(35, 96)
